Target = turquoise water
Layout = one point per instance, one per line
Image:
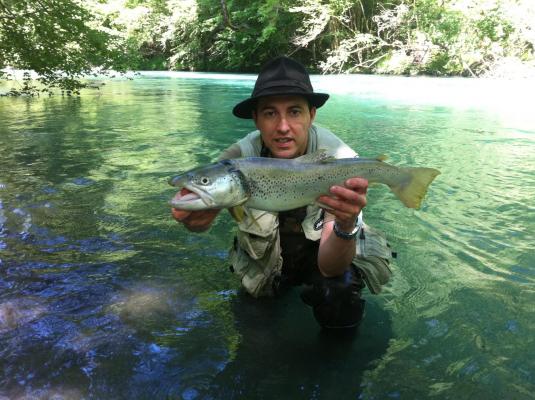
(103, 295)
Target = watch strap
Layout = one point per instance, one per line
(345, 235)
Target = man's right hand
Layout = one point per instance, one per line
(195, 221)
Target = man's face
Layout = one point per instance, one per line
(283, 122)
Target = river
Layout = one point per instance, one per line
(104, 296)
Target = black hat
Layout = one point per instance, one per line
(281, 76)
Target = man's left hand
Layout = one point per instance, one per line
(346, 202)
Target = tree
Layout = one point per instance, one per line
(57, 39)
(231, 35)
(63, 39)
(439, 37)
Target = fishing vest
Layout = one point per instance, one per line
(256, 253)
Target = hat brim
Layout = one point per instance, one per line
(245, 108)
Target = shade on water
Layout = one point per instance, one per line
(103, 295)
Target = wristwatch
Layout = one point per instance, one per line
(345, 235)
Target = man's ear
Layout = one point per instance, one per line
(312, 114)
(253, 115)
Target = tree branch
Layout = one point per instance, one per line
(226, 16)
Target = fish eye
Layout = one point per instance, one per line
(205, 180)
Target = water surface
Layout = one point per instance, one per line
(103, 295)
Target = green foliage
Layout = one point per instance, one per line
(63, 39)
(54, 38)
(233, 35)
(438, 37)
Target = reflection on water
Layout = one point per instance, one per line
(102, 295)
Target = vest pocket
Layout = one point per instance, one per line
(257, 232)
(373, 257)
(256, 274)
(254, 246)
(372, 242)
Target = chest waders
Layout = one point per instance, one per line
(280, 250)
(336, 302)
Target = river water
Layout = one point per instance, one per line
(104, 296)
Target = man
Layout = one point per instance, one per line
(273, 251)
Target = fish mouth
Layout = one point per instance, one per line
(192, 198)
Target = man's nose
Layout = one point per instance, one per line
(283, 126)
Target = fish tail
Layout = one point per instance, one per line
(411, 191)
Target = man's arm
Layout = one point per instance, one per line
(346, 202)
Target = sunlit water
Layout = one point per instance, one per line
(104, 296)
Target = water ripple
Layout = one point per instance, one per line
(102, 295)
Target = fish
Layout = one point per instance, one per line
(275, 185)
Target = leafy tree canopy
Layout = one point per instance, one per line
(62, 40)
(58, 39)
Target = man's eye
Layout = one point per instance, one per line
(295, 113)
(269, 114)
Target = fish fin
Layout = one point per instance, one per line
(381, 157)
(237, 213)
(412, 190)
(328, 159)
(240, 212)
(318, 155)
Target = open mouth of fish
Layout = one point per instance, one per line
(192, 198)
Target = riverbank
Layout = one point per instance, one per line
(23, 82)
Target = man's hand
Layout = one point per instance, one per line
(346, 202)
(194, 221)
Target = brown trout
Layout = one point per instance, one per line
(273, 184)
